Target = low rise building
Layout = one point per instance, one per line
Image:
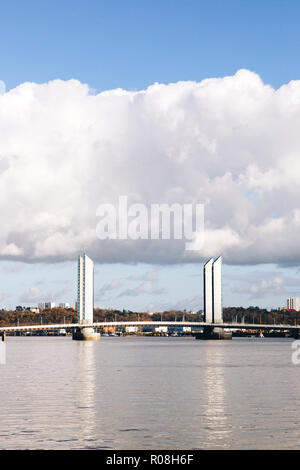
(131, 329)
(161, 329)
(34, 309)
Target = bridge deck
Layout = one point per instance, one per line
(239, 326)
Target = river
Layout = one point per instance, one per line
(149, 393)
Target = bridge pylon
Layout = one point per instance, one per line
(85, 300)
(212, 295)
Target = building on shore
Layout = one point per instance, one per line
(49, 305)
(34, 309)
(293, 303)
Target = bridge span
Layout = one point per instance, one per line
(239, 326)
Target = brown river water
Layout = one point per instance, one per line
(149, 393)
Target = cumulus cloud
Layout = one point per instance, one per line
(231, 143)
(107, 288)
(37, 294)
(150, 275)
(262, 288)
(146, 287)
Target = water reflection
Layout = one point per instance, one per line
(86, 389)
(149, 393)
(214, 396)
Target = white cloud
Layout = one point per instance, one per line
(274, 286)
(36, 294)
(232, 143)
(146, 287)
(107, 288)
(150, 275)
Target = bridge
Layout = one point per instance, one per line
(213, 326)
(141, 323)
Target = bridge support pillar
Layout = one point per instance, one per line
(85, 334)
(210, 332)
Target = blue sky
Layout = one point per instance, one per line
(133, 44)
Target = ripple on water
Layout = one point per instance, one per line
(175, 393)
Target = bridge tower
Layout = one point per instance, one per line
(217, 291)
(207, 291)
(212, 295)
(85, 299)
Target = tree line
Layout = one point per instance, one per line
(69, 315)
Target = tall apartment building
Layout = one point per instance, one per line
(293, 303)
